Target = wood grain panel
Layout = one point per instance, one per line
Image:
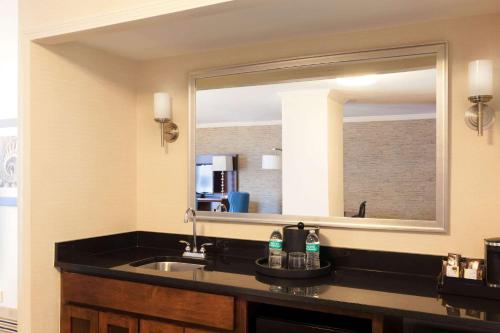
(70, 312)
(155, 301)
(151, 326)
(241, 321)
(107, 319)
(378, 324)
(197, 330)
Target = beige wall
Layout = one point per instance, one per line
(392, 166)
(475, 179)
(80, 138)
(250, 143)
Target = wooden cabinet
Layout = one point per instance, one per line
(92, 304)
(117, 323)
(79, 320)
(150, 301)
(153, 308)
(150, 326)
(196, 330)
(75, 319)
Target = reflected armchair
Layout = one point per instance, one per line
(238, 202)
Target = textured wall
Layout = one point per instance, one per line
(250, 143)
(79, 135)
(391, 165)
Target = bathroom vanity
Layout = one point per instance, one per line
(109, 284)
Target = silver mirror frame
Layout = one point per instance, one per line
(440, 225)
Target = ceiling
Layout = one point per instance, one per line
(242, 22)
(402, 93)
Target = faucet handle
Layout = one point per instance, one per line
(202, 248)
(188, 246)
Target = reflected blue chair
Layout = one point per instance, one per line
(238, 202)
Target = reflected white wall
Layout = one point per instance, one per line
(312, 168)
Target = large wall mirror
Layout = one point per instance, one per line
(355, 140)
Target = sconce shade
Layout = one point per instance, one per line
(222, 163)
(162, 107)
(271, 162)
(481, 78)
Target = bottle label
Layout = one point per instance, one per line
(276, 244)
(312, 247)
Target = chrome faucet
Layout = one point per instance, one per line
(190, 214)
(221, 208)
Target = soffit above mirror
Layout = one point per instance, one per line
(237, 23)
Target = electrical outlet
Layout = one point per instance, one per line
(1, 295)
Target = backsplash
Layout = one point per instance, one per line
(393, 262)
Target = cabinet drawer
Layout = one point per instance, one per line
(151, 326)
(155, 301)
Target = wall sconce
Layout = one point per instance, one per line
(163, 115)
(480, 116)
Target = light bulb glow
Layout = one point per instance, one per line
(481, 77)
(162, 105)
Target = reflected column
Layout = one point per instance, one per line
(312, 153)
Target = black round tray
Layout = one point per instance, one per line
(262, 267)
(294, 283)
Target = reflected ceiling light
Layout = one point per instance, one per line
(356, 81)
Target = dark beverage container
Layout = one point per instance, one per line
(492, 261)
(294, 237)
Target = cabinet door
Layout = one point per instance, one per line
(115, 323)
(150, 326)
(79, 320)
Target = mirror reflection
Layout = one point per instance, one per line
(352, 140)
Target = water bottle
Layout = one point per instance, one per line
(275, 249)
(312, 250)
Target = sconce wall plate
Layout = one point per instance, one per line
(480, 116)
(169, 130)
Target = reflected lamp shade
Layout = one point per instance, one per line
(162, 106)
(222, 163)
(481, 78)
(271, 162)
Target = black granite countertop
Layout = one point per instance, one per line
(366, 281)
